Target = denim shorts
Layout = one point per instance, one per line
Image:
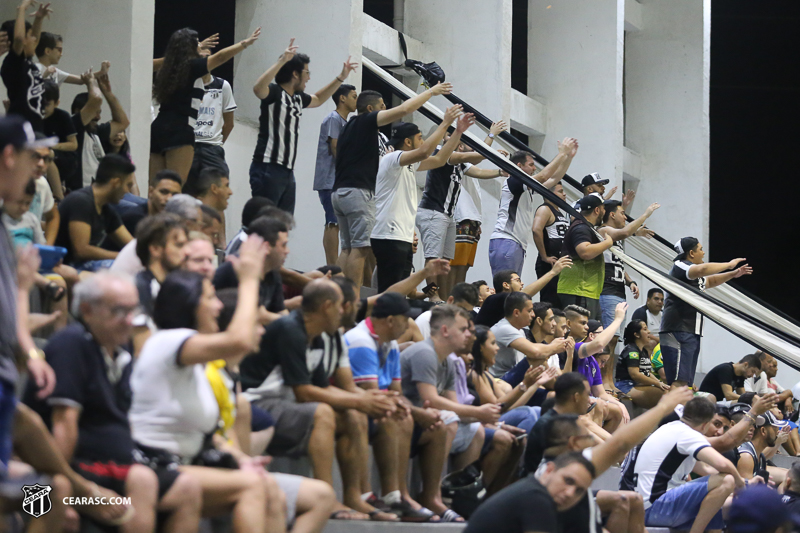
(677, 508)
(94, 265)
(327, 205)
(608, 305)
(680, 351)
(625, 385)
(506, 254)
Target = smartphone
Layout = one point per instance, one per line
(520, 437)
(429, 287)
(589, 410)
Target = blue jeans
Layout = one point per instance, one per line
(506, 254)
(608, 305)
(275, 182)
(8, 406)
(679, 351)
(94, 266)
(677, 508)
(522, 417)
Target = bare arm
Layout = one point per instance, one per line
(387, 116)
(440, 159)
(543, 218)
(261, 88)
(719, 279)
(43, 11)
(227, 125)
(555, 170)
(95, 100)
(712, 458)
(641, 380)
(405, 286)
(745, 466)
(709, 269)
(539, 284)
(480, 173)
(738, 432)
(80, 234)
(52, 219)
(122, 236)
(488, 412)
(426, 149)
(70, 145)
(326, 92)
(604, 337)
(588, 251)
(631, 227)
(65, 429)
(226, 54)
(537, 351)
(119, 119)
(332, 144)
(729, 393)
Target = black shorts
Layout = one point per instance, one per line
(112, 475)
(169, 131)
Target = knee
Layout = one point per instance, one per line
(324, 416)
(502, 441)
(480, 435)
(356, 421)
(319, 492)
(142, 480)
(621, 502)
(728, 483)
(188, 491)
(273, 491)
(452, 429)
(62, 488)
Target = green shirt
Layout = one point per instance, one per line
(585, 278)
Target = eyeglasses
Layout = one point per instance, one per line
(36, 156)
(118, 312)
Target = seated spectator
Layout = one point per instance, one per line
(212, 225)
(276, 234)
(200, 256)
(634, 368)
(429, 379)
(791, 496)
(87, 218)
(761, 509)
(214, 189)
(664, 461)
(514, 346)
(310, 410)
(43, 204)
(484, 291)
(94, 139)
(88, 409)
(765, 382)
(726, 381)
(48, 54)
(172, 366)
(650, 312)
(186, 207)
(375, 363)
(533, 503)
(463, 295)
(58, 123)
(767, 433)
(166, 185)
(249, 214)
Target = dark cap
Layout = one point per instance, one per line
(758, 508)
(17, 131)
(772, 420)
(403, 131)
(594, 325)
(390, 304)
(683, 246)
(593, 179)
(589, 202)
(747, 398)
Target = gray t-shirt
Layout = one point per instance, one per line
(506, 357)
(324, 173)
(419, 364)
(8, 308)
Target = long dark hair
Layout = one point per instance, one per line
(481, 334)
(633, 327)
(174, 73)
(177, 300)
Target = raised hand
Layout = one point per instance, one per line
(209, 43)
(253, 37)
(290, 51)
(650, 208)
(442, 88)
(561, 264)
(452, 113)
(733, 262)
(87, 77)
(568, 147)
(611, 192)
(620, 310)
(465, 122)
(532, 375)
(348, 67)
(498, 127)
(645, 232)
(745, 270)
(762, 404)
(627, 199)
(43, 11)
(548, 375)
(438, 267)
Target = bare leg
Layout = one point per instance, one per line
(435, 446)
(141, 486)
(344, 256)
(646, 397)
(369, 267)
(330, 241)
(351, 452)
(354, 269)
(720, 486)
(320, 451)
(636, 515)
(241, 425)
(157, 163)
(613, 418)
(315, 502)
(259, 441)
(497, 456)
(472, 453)
(615, 506)
(385, 450)
(184, 501)
(54, 180)
(53, 521)
(180, 160)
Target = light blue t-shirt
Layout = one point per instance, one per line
(324, 174)
(370, 362)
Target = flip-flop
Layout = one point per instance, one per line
(374, 515)
(346, 514)
(451, 516)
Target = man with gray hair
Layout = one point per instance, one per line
(185, 206)
(88, 409)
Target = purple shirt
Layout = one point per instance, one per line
(462, 392)
(588, 366)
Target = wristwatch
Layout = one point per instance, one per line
(36, 353)
(523, 387)
(491, 135)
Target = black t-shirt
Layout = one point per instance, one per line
(442, 188)
(186, 99)
(792, 500)
(492, 310)
(577, 233)
(25, 86)
(614, 279)
(534, 451)
(60, 125)
(357, 153)
(522, 507)
(284, 346)
(719, 375)
(144, 284)
(131, 215)
(98, 386)
(679, 315)
(78, 206)
(553, 235)
(270, 291)
(632, 357)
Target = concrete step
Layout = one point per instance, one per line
(358, 526)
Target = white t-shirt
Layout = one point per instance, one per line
(173, 406)
(43, 200)
(515, 214)
(506, 357)
(468, 206)
(91, 155)
(396, 199)
(127, 261)
(218, 99)
(424, 324)
(665, 459)
(58, 76)
(553, 362)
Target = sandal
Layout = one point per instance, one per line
(379, 516)
(55, 291)
(407, 513)
(451, 516)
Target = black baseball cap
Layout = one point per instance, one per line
(390, 304)
(589, 202)
(683, 246)
(403, 131)
(594, 325)
(593, 179)
(16, 131)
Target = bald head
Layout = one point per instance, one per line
(322, 301)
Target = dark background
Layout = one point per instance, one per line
(754, 133)
(755, 89)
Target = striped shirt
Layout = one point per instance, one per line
(443, 187)
(369, 360)
(515, 215)
(279, 126)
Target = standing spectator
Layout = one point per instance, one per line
(58, 123)
(436, 214)
(550, 224)
(726, 381)
(179, 89)
(635, 367)
(214, 190)
(87, 218)
(20, 75)
(583, 283)
(357, 158)
(282, 104)
(94, 139)
(214, 124)
(682, 324)
(166, 185)
(49, 51)
(344, 98)
(650, 312)
(509, 239)
(396, 201)
(89, 407)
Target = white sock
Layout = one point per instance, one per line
(366, 496)
(392, 498)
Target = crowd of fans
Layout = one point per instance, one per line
(174, 363)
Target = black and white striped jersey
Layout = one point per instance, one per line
(279, 126)
(515, 215)
(443, 187)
